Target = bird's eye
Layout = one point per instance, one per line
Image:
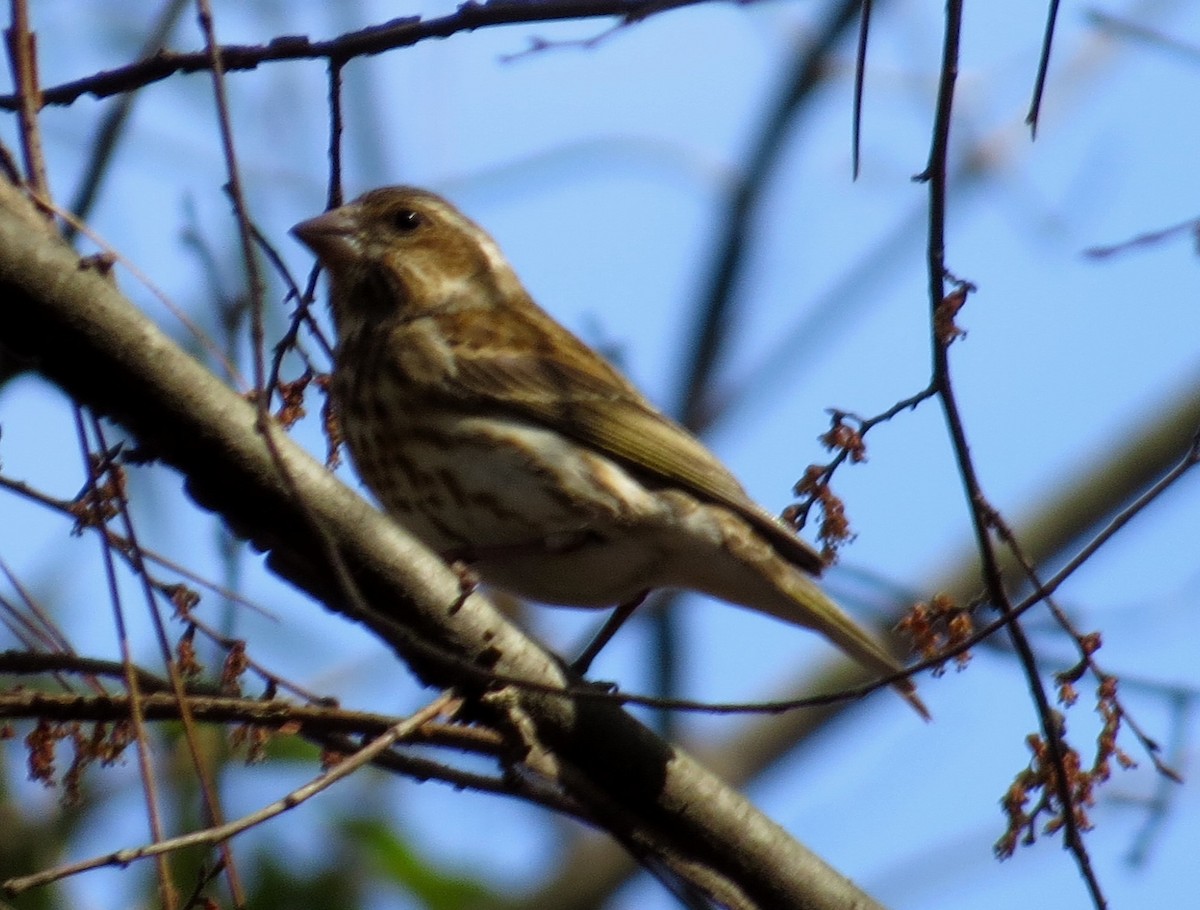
(406, 220)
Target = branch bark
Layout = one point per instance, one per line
(71, 323)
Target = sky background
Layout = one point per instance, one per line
(600, 172)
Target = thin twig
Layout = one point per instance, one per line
(254, 280)
(1039, 82)
(22, 59)
(45, 630)
(69, 509)
(112, 254)
(220, 833)
(207, 787)
(302, 315)
(209, 705)
(860, 72)
(980, 510)
(374, 39)
(145, 758)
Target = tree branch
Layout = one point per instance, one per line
(375, 39)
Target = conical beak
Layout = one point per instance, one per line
(332, 236)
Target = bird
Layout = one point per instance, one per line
(502, 441)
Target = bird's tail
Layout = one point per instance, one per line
(781, 589)
(809, 606)
(748, 569)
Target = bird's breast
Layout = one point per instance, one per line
(534, 511)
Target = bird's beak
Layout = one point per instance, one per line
(332, 236)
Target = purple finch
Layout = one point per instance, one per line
(498, 437)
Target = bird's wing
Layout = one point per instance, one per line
(556, 380)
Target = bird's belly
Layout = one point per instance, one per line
(593, 573)
(533, 512)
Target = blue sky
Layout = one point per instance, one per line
(600, 173)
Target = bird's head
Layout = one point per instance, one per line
(400, 253)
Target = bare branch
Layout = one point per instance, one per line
(375, 39)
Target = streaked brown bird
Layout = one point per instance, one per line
(498, 437)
